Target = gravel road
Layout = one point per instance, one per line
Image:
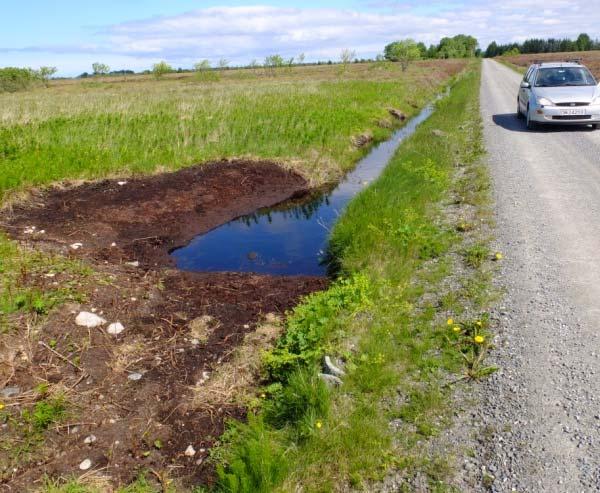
(540, 414)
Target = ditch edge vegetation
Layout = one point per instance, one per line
(405, 323)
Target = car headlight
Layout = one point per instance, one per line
(545, 102)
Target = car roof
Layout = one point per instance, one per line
(558, 64)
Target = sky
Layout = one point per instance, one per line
(134, 34)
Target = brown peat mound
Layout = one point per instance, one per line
(135, 392)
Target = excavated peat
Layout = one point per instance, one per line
(145, 218)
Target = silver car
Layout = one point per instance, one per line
(559, 93)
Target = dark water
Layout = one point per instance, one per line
(289, 239)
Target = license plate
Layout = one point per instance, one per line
(573, 112)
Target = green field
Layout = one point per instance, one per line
(113, 126)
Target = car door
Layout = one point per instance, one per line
(525, 92)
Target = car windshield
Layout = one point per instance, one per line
(564, 76)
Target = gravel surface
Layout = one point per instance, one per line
(539, 418)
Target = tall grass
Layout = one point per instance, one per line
(91, 130)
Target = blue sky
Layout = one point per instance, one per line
(135, 34)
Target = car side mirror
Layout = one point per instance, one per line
(525, 85)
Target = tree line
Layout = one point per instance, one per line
(537, 45)
(406, 50)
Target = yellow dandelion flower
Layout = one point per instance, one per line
(263, 395)
(2, 406)
(498, 256)
(319, 424)
(450, 321)
(478, 323)
(456, 329)
(479, 339)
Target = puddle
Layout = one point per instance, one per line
(291, 238)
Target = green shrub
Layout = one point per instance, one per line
(311, 323)
(256, 461)
(14, 79)
(300, 403)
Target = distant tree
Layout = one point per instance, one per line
(492, 50)
(223, 63)
(13, 79)
(202, 66)
(100, 68)
(403, 51)
(84, 75)
(512, 52)
(460, 46)
(584, 42)
(422, 50)
(346, 56)
(301, 58)
(432, 51)
(272, 63)
(44, 73)
(161, 68)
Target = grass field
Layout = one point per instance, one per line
(305, 117)
(589, 58)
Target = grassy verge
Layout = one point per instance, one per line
(395, 320)
(306, 118)
(517, 68)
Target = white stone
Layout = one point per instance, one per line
(76, 246)
(115, 328)
(134, 263)
(85, 465)
(135, 376)
(90, 439)
(113, 244)
(121, 183)
(89, 320)
(190, 451)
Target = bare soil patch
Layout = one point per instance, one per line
(180, 328)
(146, 218)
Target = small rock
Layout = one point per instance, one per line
(8, 392)
(134, 376)
(85, 465)
(89, 320)
(113, 244)
(115, 328)
(361, 140)
(190, 451)
(90, 439)
(331, 380)
(76, 246)
(135, 263)
(331, 369)
(121, 183)
(397, 114)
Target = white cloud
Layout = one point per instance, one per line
(241, 34)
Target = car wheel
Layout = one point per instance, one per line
(530, 123)
(596, 126)
(519, 114)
